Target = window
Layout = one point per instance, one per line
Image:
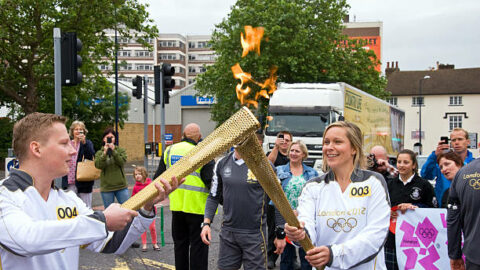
(168, 43)
(124, 53)
(143, 53)
(191, 70)
(417, 101)
(144, 67)
(167, 56)
(125, 67)
(455, 101)
(455, 121)
(192, 57)
(393, 101)
(191, 45)
(190, 81)
(202, 44)
(203, 69)
(123, 40)
(104, 67)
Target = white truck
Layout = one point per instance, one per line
(306, 109)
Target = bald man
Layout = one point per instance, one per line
(188, 203)
(382, 166)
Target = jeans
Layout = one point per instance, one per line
(109, 197)
(287, 259)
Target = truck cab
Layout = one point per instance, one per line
(304, 110)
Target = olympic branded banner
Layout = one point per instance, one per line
(421, 239)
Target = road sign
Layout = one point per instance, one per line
(9, 164)
(168, 138)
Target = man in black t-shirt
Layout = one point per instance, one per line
(278, 156)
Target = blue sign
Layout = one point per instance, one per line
(196, 101)
(175, 158)
(168, 137)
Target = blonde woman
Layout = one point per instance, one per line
(346, 212)
(85, 150)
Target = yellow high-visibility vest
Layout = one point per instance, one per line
(191, 196)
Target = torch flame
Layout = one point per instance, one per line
(251, 40)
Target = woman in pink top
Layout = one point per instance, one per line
(141, 181)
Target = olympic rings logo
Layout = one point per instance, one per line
(475, 183)
(341, 224)
(426, 233)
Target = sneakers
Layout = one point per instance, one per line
(135, 245)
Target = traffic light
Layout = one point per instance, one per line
(137, 91)
(156, 76)
(71, 61)
(168, 82)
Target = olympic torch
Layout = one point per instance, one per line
(253, 155)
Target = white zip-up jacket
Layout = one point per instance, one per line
(39, 234)
(353, 224)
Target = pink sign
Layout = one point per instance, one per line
(421, 239)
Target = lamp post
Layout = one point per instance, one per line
(420, 113)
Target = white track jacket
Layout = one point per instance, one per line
(39, 234)
(353, 224)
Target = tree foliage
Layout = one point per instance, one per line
(27, 63)
(303, 38)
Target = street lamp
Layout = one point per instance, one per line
(420, 113)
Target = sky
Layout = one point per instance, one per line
(416, 33)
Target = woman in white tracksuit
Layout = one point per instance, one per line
(346, 212)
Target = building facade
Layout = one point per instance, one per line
(435, 102)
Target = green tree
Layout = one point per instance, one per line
(303, 38)
(26, 50)
(26, 55)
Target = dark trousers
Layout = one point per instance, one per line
(289, 257)
(271, 233)
(190, 252)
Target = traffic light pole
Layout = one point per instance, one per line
(57, 54)
(145, 118)
(162, 113)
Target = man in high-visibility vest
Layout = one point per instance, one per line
(187, 203)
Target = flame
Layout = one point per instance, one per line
(251, 40)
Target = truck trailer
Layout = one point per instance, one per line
(306, 109)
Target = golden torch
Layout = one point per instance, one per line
(239, 130)
(253, 155)
(231, 132)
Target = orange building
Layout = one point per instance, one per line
(369, 33)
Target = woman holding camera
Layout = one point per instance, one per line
(111, 160)
(85, 150)
(407, 191)
(345, 211)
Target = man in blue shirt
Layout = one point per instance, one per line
(459, 143)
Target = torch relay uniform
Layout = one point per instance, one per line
(243, 235)
(353, 224)
(463, 215)
(39, 234)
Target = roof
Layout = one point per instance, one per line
(441, 82)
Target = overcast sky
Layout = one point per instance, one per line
(416, 33)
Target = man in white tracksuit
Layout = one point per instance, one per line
(42, 227)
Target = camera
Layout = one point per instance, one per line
(372, 163)
(280, 136)
(109, 139)
(444, 139)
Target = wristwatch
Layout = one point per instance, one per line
(280, 233)
(204, 224)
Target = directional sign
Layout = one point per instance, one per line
(9, 164)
